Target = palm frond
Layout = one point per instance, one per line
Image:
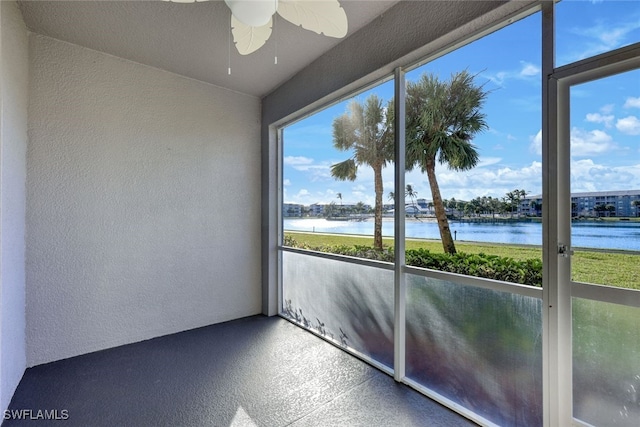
(343, 133)
(345, 171)
(442, 119)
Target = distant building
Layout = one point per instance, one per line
(411, 209)
(316, 209)
(292, 210)
(591, 204)
(423, 203)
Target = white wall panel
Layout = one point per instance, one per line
(13, 145)
(143, 202)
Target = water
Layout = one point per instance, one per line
(586, 234)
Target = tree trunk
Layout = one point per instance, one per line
(441, 215)
(377, 227)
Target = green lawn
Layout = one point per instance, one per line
(607, 268)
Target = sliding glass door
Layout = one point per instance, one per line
(507, 287)
(601, 100)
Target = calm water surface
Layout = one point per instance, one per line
(588, 234)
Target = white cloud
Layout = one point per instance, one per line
(536, 143)
(501, 135)
(599, 118)
(529, 69)
(306, 131)
(629, 125)
(632, 102)
(587, 143)
(499, 77)
(488, 161)
(297, 160)
(583, 143)
(605, 36)
(586, 175)
(316, 172)
(286, 182)
(488, 180)
(496, 181)
(606, 109)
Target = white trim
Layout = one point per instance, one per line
(343, 258)
(449, 403)
(580, 423)
(563, 378)
(280, 221)
(399, 288)
(622, 296)
(476, 282)
(601, 66)
(270, 225)
(559, 352)
(598, 67)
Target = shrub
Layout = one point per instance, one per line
(527, 272)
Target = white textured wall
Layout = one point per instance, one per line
(143, 202)
(13, 147)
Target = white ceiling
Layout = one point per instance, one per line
(189, 39)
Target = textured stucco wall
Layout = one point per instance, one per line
(13, 146)
(143, 202)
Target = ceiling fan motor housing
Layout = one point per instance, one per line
(254, 13)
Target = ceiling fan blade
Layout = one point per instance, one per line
(249, 39)
(321, 16)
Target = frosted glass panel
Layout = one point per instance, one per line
(349, 303)
(482, 349)
(606, 363)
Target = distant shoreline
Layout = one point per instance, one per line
(467, 219)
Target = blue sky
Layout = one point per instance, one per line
(605, 115)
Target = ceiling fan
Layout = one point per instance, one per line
(252, 20)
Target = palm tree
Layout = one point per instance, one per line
(535, 206)
(366, 130)
(339, 196)
(611, 210)
(636, 203)
(330, 209)
(412, 194)
(392, 196)
(442, 119)
(599, 209)
(460, 205)
(451, 204)
(513, 199)
(469, 208)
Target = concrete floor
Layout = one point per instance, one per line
(256, 371)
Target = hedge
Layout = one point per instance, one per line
(528, 272)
